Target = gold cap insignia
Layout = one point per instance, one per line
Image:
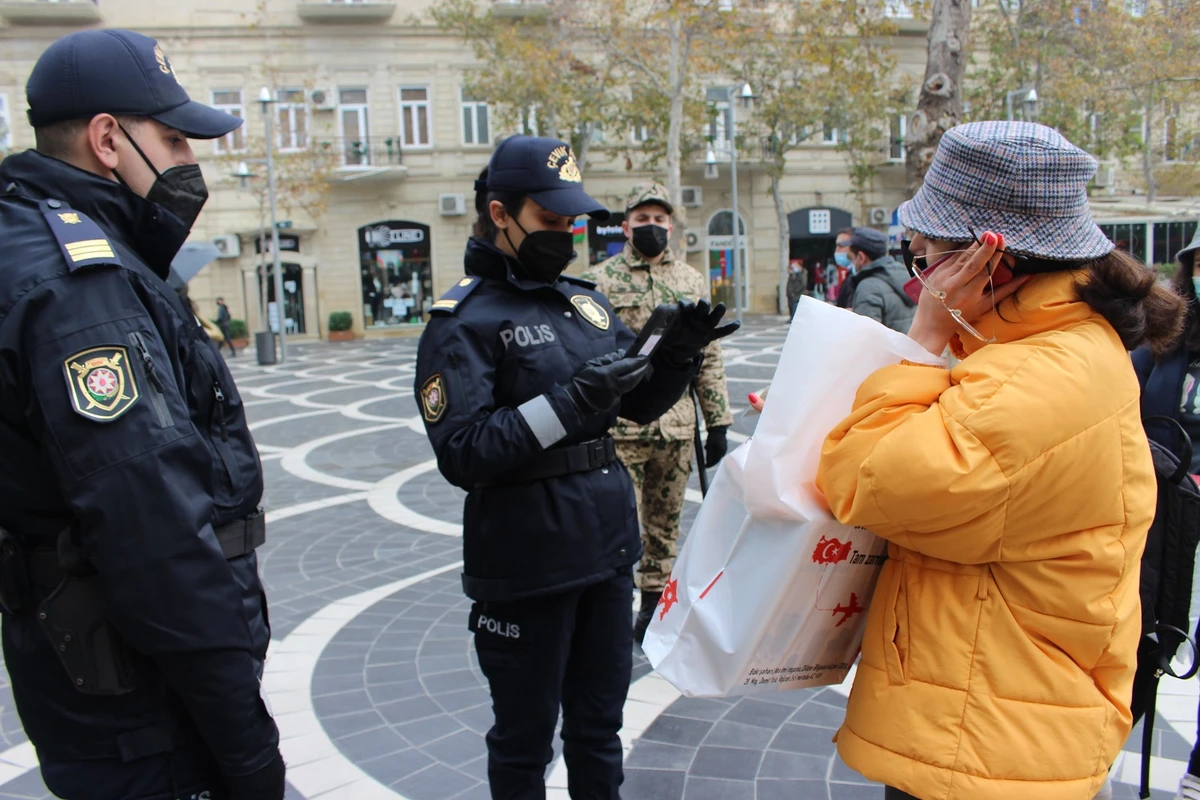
(562, 159)
(591, 311)
(433, 398)
(101, 385)
(164, 66)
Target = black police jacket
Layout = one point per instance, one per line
(119, 418)
(491, 369)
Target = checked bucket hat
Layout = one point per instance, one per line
(1019, 179)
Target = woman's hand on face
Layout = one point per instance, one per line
(965, 284)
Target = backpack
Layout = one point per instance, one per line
(1168, 563)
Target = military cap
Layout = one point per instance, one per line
(646, 193)
(116, 72)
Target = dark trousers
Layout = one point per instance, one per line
(570, 650)
(227, 341)
(895, 794)
(185, 774)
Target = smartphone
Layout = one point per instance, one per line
(659, 324)
(1000, 276)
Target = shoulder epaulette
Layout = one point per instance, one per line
(578, 281)
(82, 242)
(451, 300)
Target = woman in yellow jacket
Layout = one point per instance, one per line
(1015, 490)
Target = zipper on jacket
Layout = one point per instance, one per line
(158, 396)
(220, 395)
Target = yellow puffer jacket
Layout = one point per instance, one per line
(1015, 492)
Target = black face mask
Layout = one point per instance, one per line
(544, 254)
(650, 240)
(179, 190)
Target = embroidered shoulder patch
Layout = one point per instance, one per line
(433, 398)
(591, 311)
(101, 385)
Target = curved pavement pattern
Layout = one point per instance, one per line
(372, 675)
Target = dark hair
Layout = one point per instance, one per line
(60, 139)
(1128, 294)
(844, 232)
(485, 229)
(1182, 283)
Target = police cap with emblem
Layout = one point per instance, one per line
(116, 72)
(545, 171)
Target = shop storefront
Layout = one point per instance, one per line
(293, 283)
(604, 239)
(395, 272)
(720, 258)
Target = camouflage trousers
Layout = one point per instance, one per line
(660, 471)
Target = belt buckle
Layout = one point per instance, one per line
(597, 457)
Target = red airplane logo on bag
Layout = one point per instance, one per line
(670, 597)
(847, 611)
(831, 551)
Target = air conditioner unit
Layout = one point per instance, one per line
(692, 196)
(452, 205)
(692, 240)
(228, 246)
(879, 215)
(324, 99)
(1106, 176)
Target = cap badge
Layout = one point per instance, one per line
(562, 159)
(70, 218)
(164, 66)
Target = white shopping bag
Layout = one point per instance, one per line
(769, 591)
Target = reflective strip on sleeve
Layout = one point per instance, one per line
(540, 417)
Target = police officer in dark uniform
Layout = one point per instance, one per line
(134, 624)
(520, 373)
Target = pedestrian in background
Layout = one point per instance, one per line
(521, 372)
(659, 455)
(135, 622)
(797, 285)
(875, 288)
(224, 318)
(1015, 490)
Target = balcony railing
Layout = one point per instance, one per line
(365, 152)
(520, 9)
(343, 11)
(41, 12)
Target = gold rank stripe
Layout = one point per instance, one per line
(445, 304)
(89, 248)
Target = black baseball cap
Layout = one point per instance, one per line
(116, 72)
(545, 171)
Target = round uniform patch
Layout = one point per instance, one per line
(433, 398)
(592, 311)
(100, 384)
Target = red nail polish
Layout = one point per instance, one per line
(753, 398)
(989, 239)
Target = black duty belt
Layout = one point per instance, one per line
(236, 539)
(582, 457)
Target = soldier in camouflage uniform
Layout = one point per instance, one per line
(659, 455)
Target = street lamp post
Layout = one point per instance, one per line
(1028, 96)
(737, 261)
(266, 99)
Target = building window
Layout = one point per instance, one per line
(291, 119)
(720, 126)
(897, 9)
(5, 125)
(899, 129)
(1136, 8)
(640, 133)
(414, 116)
(476, 129)
(230, 101)
(354, 128)
(830, 134)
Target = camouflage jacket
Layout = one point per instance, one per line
(634, 289)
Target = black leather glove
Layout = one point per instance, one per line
(697, 326)
(715, 446)
(599, 385)
(268, 783)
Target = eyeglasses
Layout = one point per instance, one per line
(910, 263)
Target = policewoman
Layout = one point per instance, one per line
(135, 624)
(520, 373)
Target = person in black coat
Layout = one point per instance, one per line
(521, 371)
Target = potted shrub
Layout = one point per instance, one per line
(340, 323)
(239, 334)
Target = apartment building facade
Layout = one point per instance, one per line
(371, 124)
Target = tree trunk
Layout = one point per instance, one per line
(784, 237)
(675, 81)
(1148, 153)
(940, 106)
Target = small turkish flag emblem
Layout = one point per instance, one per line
(831, 551)
(670, 597)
